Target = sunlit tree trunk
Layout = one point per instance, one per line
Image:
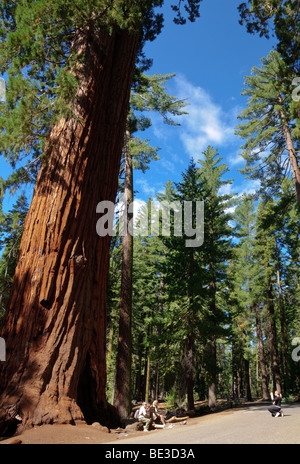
(55, 324)
(292, 154)
(123, 362)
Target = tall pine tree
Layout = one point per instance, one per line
(149, 94)
(271, 149)
(217, 251)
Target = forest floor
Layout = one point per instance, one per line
(61, 434)
(198, 429)
(85, 434)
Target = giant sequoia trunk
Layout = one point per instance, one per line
(55, 324)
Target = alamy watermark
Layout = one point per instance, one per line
(296, 351)
(2, 349)
(296, 91)
(2, 90)
(154, 219)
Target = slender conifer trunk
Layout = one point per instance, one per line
(273, 339)
(283, 323)
(291, 149)
(293, 160)
(123, 363)
(212, 375)
(265, 388)
(235, 379)
(248, 379)
(190, 341)
(55, 324)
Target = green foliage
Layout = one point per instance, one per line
(211, 291)
(11, 229)
(171, 283)
(192, 9)
(267, 112)
(280, 16)
(192, 275)
(263, 272)
(36, 55)
(39, 61)
(149, 95)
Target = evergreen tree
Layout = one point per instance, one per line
(217, 250)
(183, 284)
(65, 101)
(247, 275)
(271, 148)
(279, 222)
(190, 190)
(148, 95)
(195, 276)
(280, 16)
(265, 256)
(148, 339)
(11, 227)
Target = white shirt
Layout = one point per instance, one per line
(142, 411)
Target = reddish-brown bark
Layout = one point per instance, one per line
(55, 324)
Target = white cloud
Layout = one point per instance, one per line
(249, 187)
(236, 158)
(206, 123)
(246, 186)
(226, 189)
(147, 189)
(138, 205)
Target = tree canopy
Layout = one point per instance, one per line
(39, 60)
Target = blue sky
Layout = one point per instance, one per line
(210, 59)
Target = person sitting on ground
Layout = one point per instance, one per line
(145, 416)
(176, 416)
(275, 410)
(157, 417)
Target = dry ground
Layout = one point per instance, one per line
(64, 434)
(250, 423)
(79, 434)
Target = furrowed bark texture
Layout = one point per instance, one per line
(55, 324)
